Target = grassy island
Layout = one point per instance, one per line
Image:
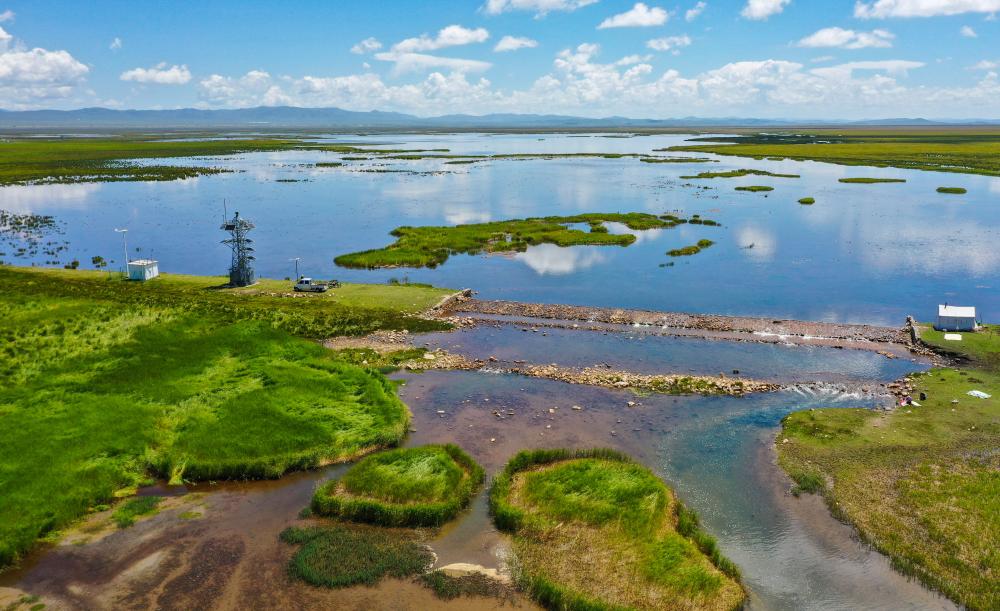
(431, 246)
(425, 486)
(594, 530)
(755, 188)
(106, 384)
(739, 174)
(921, 483)
(868, 181)
(690, 250)
(807, 201)
(952, 190)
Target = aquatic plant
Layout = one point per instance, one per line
(869, 181)
(447, 587)
(424, 486)
(807, 201)
(340, 556)
(952, 190)
(126, 513)
(594, 530)
(739, 174)
(755, 188)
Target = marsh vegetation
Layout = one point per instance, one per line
(755, 188)
(868, 181)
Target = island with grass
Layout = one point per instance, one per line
(920, 482)
(594, 530)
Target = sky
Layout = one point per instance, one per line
(794, 59)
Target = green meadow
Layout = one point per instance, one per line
(107, 384)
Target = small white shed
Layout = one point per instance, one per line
(956, 318)
(143, 269)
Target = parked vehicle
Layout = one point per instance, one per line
(308, 285)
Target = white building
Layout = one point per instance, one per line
(143, 269)
(956, 318)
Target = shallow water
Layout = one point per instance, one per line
(862, 253)
(644, 352)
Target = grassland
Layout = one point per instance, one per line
(424, 486)
(105, 384)
(341, 556)
(738, 174)
(952, 190)
(863, 180)
(431, 246)
(939, 151)
(922, 483)
(982, 348)
(594, 530)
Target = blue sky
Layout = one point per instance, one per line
(762, 58)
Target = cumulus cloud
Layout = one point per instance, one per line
(881, 9)
(116, 43)
(513, 43)
(159, 74)
(692, 13)
(418, 62)
(540, 7)
(891, 66)
(847, 39)
(255, 88)
(451, 36)
(7, 15)
(669, 43)
(968, 32)
(639, 16)
(368, 45)
(985, 65)
(31, 77)
(762, 9)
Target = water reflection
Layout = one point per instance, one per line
(549, 259)
(47, 199)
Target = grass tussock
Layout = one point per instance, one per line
(755, 188)
(921, 484)
(807, 201)
(105, 384)
(940, 151)
(425, 486)
(126, 514)
(594, 530)
(687, 251)
(952, 190)
(341, 556)
(431, 246)
(738, 174)
(869, 181)
(447, 587)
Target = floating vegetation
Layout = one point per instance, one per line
(340, 556)
(755, 188)
(868, 181)
(431, 246)
(675, 159)
(329, 164)
(594, 530)
(23, 234)
(952, 190)
(807, 201)
(424, 486)
(739, 174)
(690, 250)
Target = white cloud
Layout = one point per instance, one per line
(692, 13)
(822, 58)
(367, 45)
(159, 74)
(968, 32)
(669, 43)
(417, 62)
(513, 43)
(891, 66)
(255, 88)
(451, 36)
(880, 9)
(639, 16)
(29, 78)
(540, 7)
(847, 39)
(6, 16)
(116, 43)
(985, 65)
(631, 60)
(762, 9)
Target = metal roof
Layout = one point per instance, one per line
(957, 311)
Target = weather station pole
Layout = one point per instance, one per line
(125, 244)
(296, 259)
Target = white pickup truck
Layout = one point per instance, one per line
(307, 285)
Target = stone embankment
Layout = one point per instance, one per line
(677, 320)
(598, 376)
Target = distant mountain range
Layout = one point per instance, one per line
(270, 117)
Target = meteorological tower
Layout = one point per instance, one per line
(241, 268)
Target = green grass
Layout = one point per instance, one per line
(431, 246)
(952, 190)
(447, 587)
(126, 513)
(340, 556)
(755, 188)
(739, 174)
(922, 484)
(981, 347)
(424, 486)
(807, 201)
(675, 159)
(957, 151)
(868, 181)
(104, 383)
(690, 250)
(594, 530)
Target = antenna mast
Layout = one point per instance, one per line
(241, 269)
